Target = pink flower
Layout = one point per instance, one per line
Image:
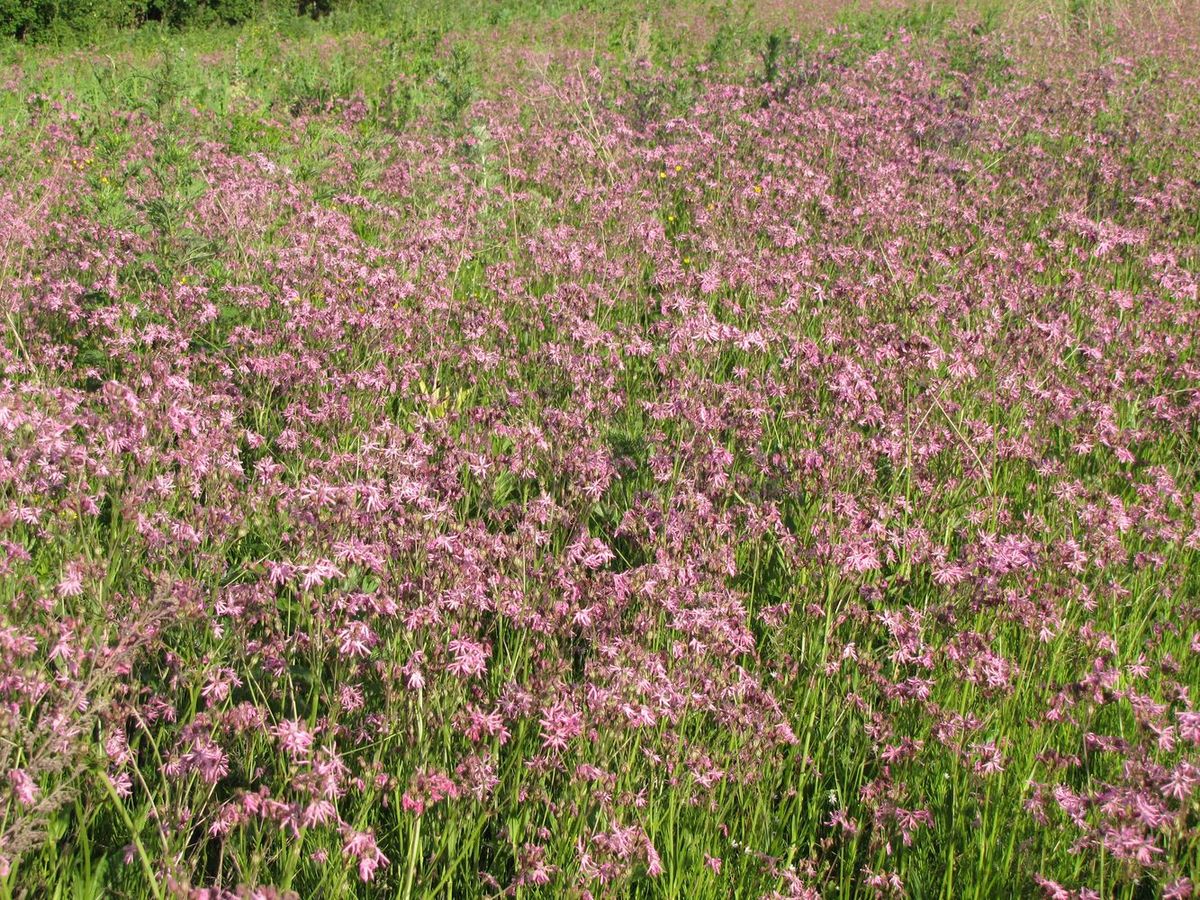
(355, 639)
(24, 788)
(559, 725)
(361, 845)
(470, 658)
(71, 584)
(294, 737)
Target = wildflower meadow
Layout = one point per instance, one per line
(603, 449)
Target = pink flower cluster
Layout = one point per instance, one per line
(663, 478)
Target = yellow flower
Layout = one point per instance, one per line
(679, 168)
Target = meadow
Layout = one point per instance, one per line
(579, 449)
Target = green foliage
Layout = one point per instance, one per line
(457, 80)
(731, 33)
(52, 21)
(77, 21)
(17, 16)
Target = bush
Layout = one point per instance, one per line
(16, 16)
(48, 20)
(179, 13)
(56, 21)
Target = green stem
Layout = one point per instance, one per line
(137, 841)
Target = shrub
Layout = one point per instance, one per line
(58, 21)
(47, 20)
